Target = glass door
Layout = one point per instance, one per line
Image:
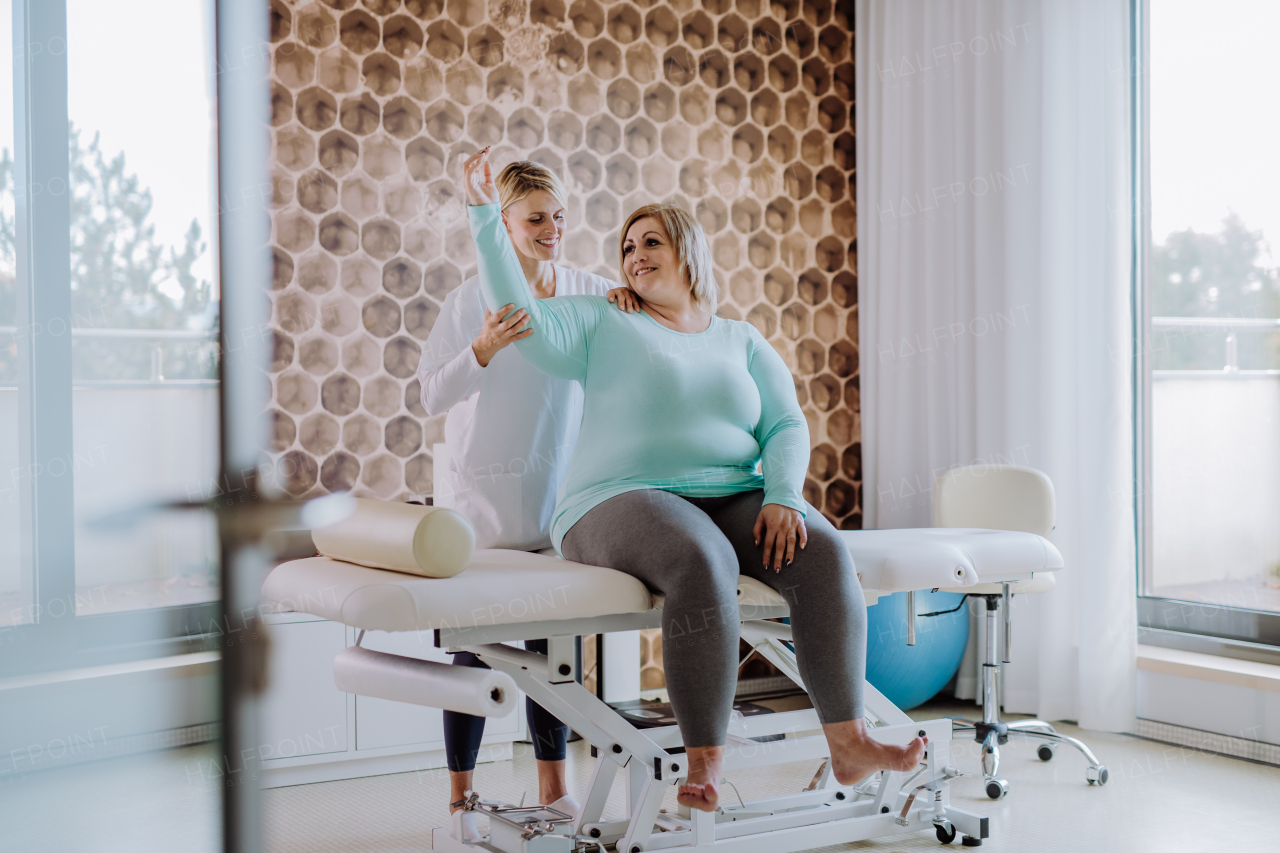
(144, 303)
(1212, 266)
(15, 567)
(130, 420)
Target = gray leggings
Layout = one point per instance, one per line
(692, 550)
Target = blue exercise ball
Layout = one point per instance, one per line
(912, 675)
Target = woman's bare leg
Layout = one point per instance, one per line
(551, 782)
(459, 784)
(672, 545)
(701, 789)
(855, 755)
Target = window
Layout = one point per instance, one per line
(1209, 292)
(15, 587)
(109, 384)
(108, 326)
(144, 395)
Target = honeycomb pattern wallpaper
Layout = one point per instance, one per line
(739, 110)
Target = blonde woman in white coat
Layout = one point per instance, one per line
(510, 432)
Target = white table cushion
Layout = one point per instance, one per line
(946, 557)
(504, 587)
(498, 588)
(959, 559)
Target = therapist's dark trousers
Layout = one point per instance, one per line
(462, 732)
(692, 550)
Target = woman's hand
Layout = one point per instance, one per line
(497, 332)
(781, 528)
(477, 177)
(626, 299)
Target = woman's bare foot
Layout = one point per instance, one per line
(855, 755)
(701, 788)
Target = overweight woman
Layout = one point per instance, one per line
(510, 431)
(688, 473)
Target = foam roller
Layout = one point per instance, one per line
(423, 540)
(467, 690)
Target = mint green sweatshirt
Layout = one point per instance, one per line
(692, 414)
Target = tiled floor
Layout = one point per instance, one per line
(158, 802)
(1160, 798)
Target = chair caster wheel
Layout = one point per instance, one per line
(1045, 752)
(945, 831)
(1097, 775)
(997, 789)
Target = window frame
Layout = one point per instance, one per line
(56, 637)
(1231, 631)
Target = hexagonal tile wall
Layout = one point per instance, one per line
(741, 111)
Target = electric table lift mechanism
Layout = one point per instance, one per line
(508, 596)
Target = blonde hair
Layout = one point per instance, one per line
(690, 243)
(523, 177)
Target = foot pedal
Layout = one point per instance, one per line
(524, 829)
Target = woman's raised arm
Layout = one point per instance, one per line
(561, 327)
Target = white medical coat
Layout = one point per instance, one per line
(511, 429)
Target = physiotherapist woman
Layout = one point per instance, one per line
(510, 432)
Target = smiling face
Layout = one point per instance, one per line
(536, 225)
(651, 264)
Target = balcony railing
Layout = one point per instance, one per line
(158, 336)
(1230, 325)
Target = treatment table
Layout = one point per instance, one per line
(508, 596)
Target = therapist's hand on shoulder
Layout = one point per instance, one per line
(477, 177)
(625, 298)
(499, 330)
(780, 529)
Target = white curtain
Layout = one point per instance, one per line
(994, 205)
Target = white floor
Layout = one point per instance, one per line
(160, 801)
(1160, 798)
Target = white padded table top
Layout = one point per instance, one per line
(497, 588)
(505, 587)
(946, 557)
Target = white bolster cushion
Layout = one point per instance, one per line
(465, 689)
(422, 540)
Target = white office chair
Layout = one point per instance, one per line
(1003, 497)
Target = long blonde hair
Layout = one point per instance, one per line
(690, 243)
(518, 179)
